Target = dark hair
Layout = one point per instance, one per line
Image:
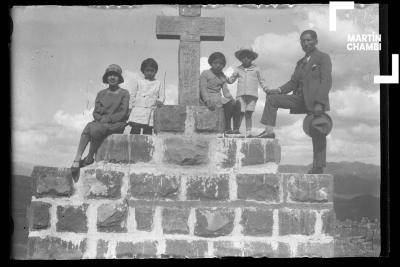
(311, 32)
(215, 56)
(149, 62)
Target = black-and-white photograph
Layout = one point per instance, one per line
(196, 131)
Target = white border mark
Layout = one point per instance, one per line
(394, 78)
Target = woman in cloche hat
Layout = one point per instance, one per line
(110, 115)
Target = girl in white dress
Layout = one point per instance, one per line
(145, 97)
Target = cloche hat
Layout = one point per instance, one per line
(114, 68)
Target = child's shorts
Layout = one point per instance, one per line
(247, 102)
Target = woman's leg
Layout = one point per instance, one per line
(147, 130)
(84, 140)
(135, 128)
(98, 133)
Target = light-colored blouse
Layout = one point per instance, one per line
(143, 99)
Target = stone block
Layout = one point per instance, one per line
(258, 249)
(272, 151)
(227, 249)
(114, 149)
(257, 221)
(185, 249)
(259, 187)
(39, 215)
(296, 222)
(328, 222)
(101, 184)
(144, 218)
(263, 249)
(316, 249)
(186, 151)
(253, 151)
(147, 249)
(227, 151)
(52, 182)
(102, 248)
(141, 148)
(309, 187)
(208, 188)
(112, 218)
(175, 220)
(213, 222)
(54, 248)
(260, 151)
(209, 121)
(154, 187)
(170, 118)
(72, 219)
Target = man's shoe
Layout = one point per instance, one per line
(266, 135)
(316, 170)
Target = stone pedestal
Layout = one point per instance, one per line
(183, 194)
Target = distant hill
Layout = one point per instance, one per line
(350, 178)
(22, 168)
(357, 208)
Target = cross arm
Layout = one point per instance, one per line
(208, 29)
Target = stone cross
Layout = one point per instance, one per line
(190, 29)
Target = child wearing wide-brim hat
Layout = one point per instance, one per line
(249, 77)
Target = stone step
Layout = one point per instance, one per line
(117, 211)
(205, 151)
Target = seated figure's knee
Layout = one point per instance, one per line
(97, 130)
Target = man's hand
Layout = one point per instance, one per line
(210, 105)
(272, 91)
(159, 103)
(318, 109)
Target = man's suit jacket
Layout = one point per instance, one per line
(314, 78)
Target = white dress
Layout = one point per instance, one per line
(143, 99)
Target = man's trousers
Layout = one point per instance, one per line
(275, 101)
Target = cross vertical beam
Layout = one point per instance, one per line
(190, 29)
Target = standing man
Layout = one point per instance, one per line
(310, 83)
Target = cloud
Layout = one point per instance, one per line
(75, 122)
(355, 105)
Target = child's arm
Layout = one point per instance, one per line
(96, 112)
(261, 80)
(204, 93)
(233, 77)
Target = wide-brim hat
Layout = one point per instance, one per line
(246, 51)
(113, 68)
(321, 124)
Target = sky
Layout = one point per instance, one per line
(59, 55)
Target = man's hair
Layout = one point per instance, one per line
(216, 55)
(311, 32)
(149, 62)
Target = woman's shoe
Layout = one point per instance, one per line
(85, 162)
(75, 172)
